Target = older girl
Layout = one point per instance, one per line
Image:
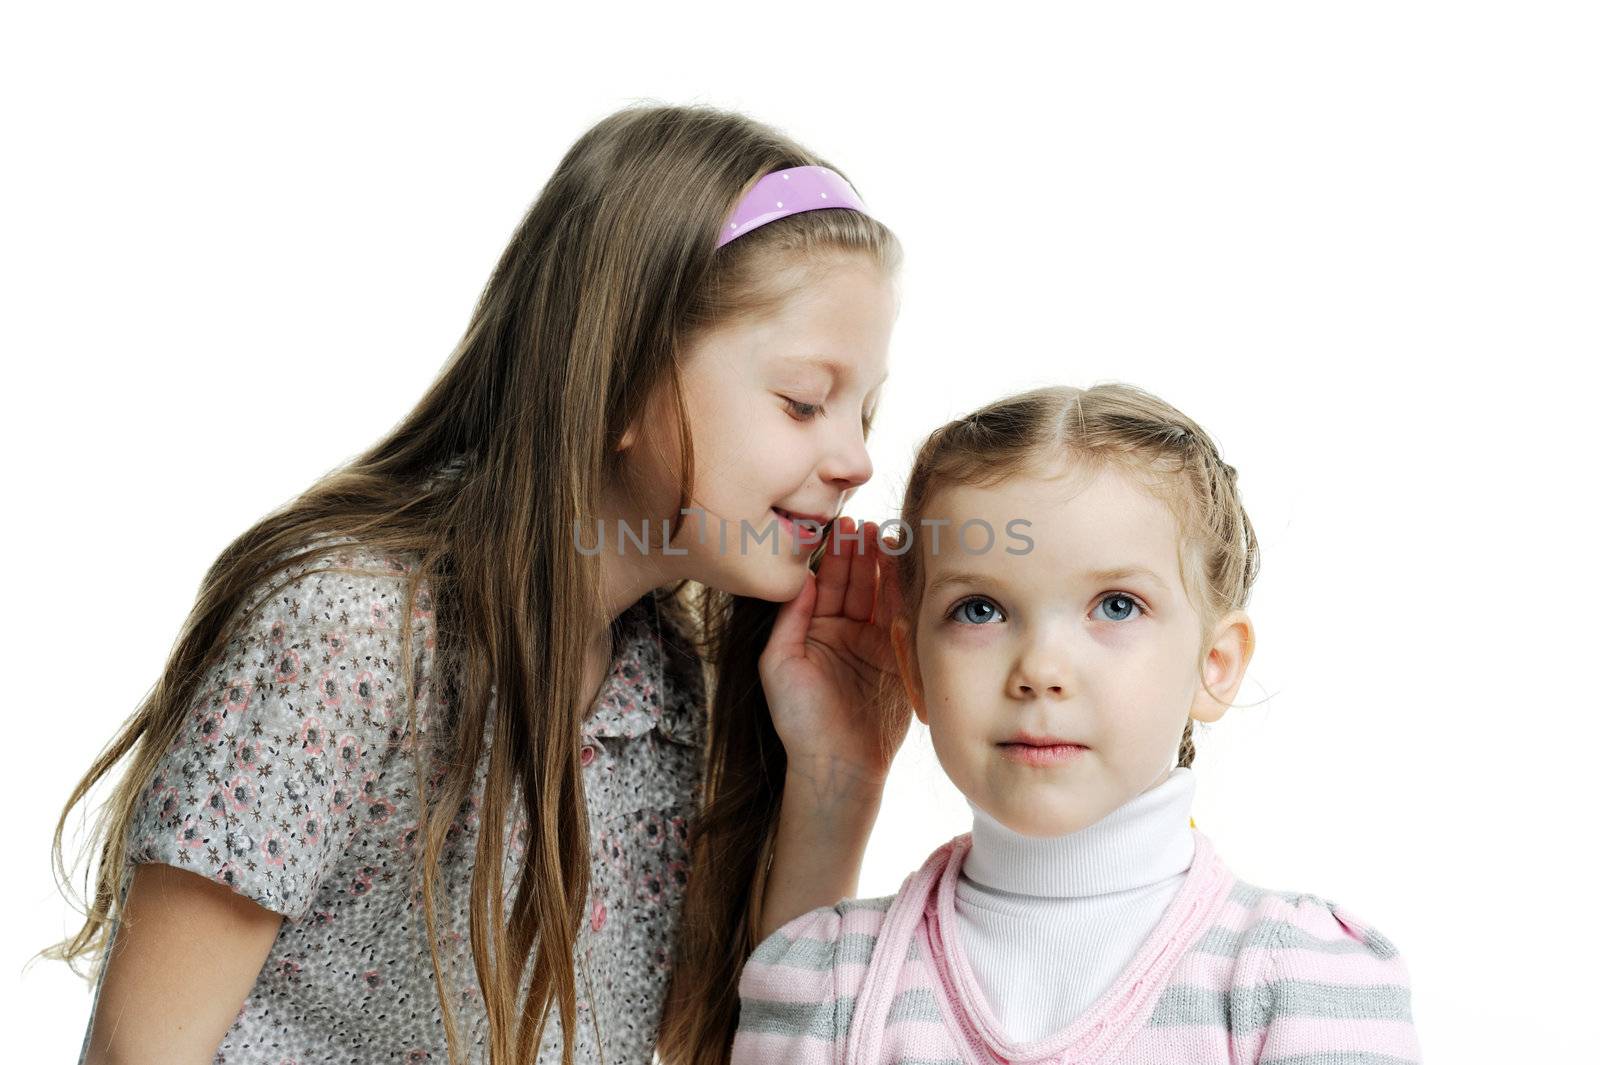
(432, 773)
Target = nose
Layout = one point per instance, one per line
(1041, 669)
(847, 465)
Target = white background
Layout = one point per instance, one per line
(1356, 241)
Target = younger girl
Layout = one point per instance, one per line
(432, 773)
(1082, 609)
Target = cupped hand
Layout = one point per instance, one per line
(829, 670)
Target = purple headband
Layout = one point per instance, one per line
(786, 192)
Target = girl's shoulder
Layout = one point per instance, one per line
(843, 937)
(338, 572)
(341, 596)
(330, 583)
(801, 988)
(1281, 920)
(280, 755)
(794, 984)
(828, 936)
(1297, 974)
(1252, 920)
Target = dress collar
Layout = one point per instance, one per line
(655, 679)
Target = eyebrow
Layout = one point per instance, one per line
(833, 366)
(953, 579)
(1099, 576)
(1121, 573)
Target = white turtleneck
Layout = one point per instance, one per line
(1047, 924)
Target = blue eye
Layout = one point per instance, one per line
(960, 611)
(1119, 607)
(803, 411)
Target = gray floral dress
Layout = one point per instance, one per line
(293, 784)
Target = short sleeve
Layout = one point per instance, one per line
(1333, 987)
(271, 774)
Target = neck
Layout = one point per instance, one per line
(1145, 840)
(625, 574)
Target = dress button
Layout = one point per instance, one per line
(586, 755)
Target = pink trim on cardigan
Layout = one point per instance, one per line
(1103, 1030)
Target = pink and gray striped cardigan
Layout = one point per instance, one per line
(1232, 974)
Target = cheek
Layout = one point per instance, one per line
(1148, 698)
(736, 460)
(1155, 655)
(1119, 673)
(957, 744)
(961, 703)
(954, 670)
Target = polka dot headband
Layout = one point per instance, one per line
(786, 192)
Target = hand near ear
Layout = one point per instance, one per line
(829, 668)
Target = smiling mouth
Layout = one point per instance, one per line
(805, 529)
(796, 519)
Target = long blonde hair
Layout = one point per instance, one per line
(1110, 424)
(610, 275)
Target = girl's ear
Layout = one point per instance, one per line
(629, 435)
(1233, 641)
(900, 636)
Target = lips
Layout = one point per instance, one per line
(799, 516)
(1059, 754)
(1028, 739)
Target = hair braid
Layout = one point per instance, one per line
(1186, 745)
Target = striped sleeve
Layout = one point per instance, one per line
(1331, 990)
(797, 991)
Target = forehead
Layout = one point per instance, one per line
(834, 321)
(823, 364)
(1082, 520)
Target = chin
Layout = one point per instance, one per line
(1045, 823)
(777, 579)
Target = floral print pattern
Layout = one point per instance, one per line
(292, 782)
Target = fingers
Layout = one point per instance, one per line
(888, 602)
(877, 648)
(833, 573)
(863, 586)
(848, 577)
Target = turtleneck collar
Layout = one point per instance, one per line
(1145, 840)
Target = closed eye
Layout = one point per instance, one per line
(803, 412)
